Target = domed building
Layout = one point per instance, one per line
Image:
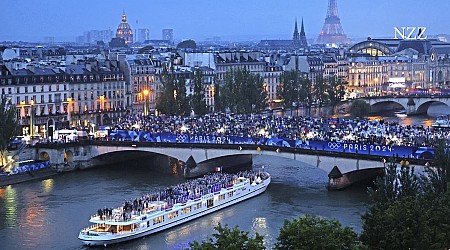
(124, 30)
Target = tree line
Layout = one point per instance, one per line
(242, 91)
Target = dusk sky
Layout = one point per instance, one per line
(32, 20)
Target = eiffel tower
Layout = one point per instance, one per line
(332, 31)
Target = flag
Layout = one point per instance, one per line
(218, 169)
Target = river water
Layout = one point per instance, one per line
(48, 214)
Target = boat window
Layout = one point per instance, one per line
(172, 215)
(230, 194)
(210, 203)
(221, 197)
(186, 210)
(158, 220)
(198, 206)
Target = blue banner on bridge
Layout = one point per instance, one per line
(347, 147)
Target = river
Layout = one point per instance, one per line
(48, 214)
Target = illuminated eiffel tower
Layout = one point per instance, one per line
(332, 31)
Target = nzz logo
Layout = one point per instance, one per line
(334, 145)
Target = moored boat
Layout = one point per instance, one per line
(442, 121)
(175, 205)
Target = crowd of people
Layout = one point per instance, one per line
(181, 193)
(362, 131)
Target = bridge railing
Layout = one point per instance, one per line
(349, 149)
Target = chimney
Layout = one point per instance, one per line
(89, 66)
(31, 67)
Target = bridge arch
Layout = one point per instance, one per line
(423, 107)
(68, 156)
(387, 104)
(44, 156)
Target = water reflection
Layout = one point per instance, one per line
(10, 196)
(47, 185)
(260, 222)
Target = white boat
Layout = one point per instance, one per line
(442, 121)
(178, 204)
(401, 114)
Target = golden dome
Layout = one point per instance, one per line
(124, 30)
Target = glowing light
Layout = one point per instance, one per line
(261, 132)
(47, 185)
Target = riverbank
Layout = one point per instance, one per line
(11, 179)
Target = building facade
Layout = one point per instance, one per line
(50, 98)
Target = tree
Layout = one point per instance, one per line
(437, 178)
(181, 99)
(395, 184)
(231, 239)
(219, 98)
(198, 97)
(187, 44)
(413, 222)
(165, 103)
(336, 91)
(9, 127)
(243, 91)
(294, 89)
(312, 232)
(287, 89)
(359, 108)
(409, 211)
(320, 91)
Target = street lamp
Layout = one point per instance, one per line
(31, 118)
(69, 100)
(146, 93)
(102, 104)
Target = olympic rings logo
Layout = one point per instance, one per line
(182, 137)
(334, 145)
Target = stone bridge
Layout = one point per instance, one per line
(412, 104)
(90, 153)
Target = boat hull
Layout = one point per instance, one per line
(114, 238)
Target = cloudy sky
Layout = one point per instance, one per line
(32, 20)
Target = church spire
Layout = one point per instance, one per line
(124, 17)
(303, 42)
(296, 36)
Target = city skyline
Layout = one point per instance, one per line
(30, 20)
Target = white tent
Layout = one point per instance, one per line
(397, 85)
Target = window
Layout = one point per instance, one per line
(186, 210)
(210, 203)
(221, 197)
(172, 215)
(198, 206)
(158, 220)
